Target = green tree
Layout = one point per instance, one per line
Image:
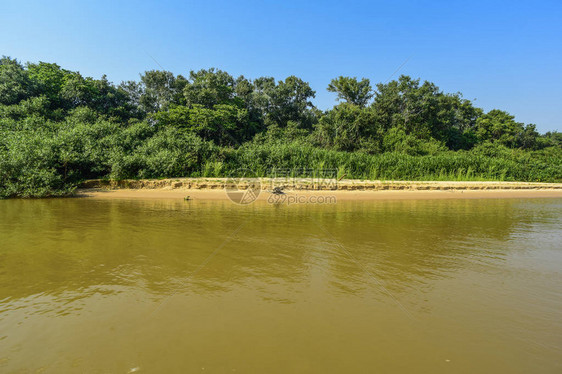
(224, 124)
(15, 84)
(407, 105)
(455, 121)
(351, 90)
(288, 101)
(159, 89)
(209, 88)
(501, 127)
(349, 127)
(50, 79)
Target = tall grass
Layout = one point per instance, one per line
(37, 165)
(462, 166)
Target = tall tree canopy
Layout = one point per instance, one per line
(351, 90)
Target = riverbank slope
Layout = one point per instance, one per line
(215, 189)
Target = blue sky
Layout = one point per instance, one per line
(506, 54)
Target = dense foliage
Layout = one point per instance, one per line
(58, 128)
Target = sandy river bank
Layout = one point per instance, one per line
(214, 189)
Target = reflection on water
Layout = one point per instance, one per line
(172, 286)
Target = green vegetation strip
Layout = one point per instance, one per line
(58, 129)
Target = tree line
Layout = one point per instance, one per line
(58, 128)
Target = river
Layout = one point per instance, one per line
(437, 286)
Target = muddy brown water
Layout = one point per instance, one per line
(436, 286)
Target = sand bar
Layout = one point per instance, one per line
(215, 189)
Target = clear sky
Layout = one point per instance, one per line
(506, 54)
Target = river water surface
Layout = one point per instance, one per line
(436, 286)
